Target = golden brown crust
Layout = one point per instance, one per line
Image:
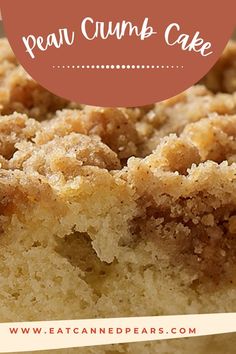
(215, 138)
(111, 124)
(66, 154)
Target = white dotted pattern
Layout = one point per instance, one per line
(117, 67)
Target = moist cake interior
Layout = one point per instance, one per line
(111, 212)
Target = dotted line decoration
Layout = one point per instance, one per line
(117, 67)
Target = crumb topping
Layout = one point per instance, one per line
(161, 175)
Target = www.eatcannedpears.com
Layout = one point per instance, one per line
(101, 330)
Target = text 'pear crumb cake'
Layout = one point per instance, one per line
(112, 212)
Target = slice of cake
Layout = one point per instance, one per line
(112, 212)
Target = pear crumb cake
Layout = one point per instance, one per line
(110, 212)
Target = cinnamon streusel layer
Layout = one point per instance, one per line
(111, 212)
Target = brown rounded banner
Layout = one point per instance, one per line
(118, 53)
